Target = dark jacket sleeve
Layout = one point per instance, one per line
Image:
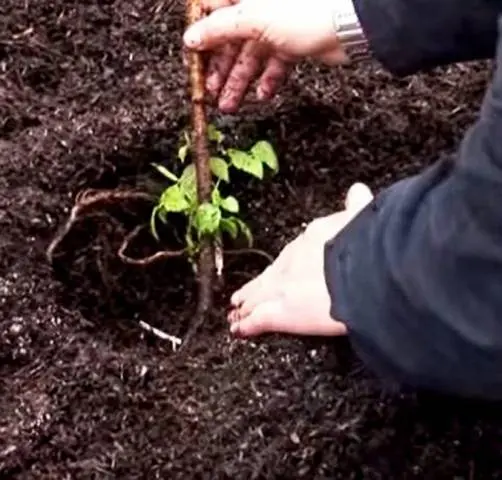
(407, 36)
(417, 275)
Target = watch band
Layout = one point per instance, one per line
(350, 32)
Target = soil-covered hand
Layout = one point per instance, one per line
(291, 295)
(261, 39)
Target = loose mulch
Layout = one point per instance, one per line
(91, 93)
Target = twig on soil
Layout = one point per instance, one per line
(86, 201)
(175, 341)
(206, 258)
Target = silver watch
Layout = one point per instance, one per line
(350, 32)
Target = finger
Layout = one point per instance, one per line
(267, 291)
(240, 295)
(333, 57)
(219, 67)
(267, 317)
(272, 317)
(243, 73)
(272, 78)
(233, 316)
(225, 25)
(358, 196)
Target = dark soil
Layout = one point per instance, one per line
(91, 93)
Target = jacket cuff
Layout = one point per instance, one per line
(354, 298)
(411, 36)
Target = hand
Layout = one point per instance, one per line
(291, 295)
(261, 38)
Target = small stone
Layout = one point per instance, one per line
(15, 329)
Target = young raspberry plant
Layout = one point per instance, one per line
(221, 214)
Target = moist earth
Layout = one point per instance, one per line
(90, 94)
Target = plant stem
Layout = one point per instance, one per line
(201, 160)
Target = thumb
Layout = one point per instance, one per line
(358, 196)
(224, 25)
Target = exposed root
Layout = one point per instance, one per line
(145, 261)
(85, 202)
(220, 252)
(250, 251)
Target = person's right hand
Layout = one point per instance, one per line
(262, 38)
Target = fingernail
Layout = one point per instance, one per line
(226, 105)
(192, 38)
(234, 328)
(260, 93)
(234, 300)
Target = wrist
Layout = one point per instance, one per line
(349, 32)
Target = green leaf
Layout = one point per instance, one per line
(183, 152)
(230, 226)
(216, 197)
(188, 183)
(230, 204)
(246, 162)
(173, 200)
(214, 135)
(245, 230)
(219, 168)
(192, 247)
(264, 152)
(164, 171)
(207, 219)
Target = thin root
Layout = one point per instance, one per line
(250, 251)
(85, 202)
(145, 261)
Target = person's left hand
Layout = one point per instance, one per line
(291, 295)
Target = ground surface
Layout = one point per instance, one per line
(89, 95)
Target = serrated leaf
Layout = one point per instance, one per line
(188, 183)
(245, 230)
(207, 219)
(164, 171)
(246, 162)
(214, 135)
(264, 152)
(230, 226)
(230, 204)
(173, 200)
(182, 153)
(219, 168)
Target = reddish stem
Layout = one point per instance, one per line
(201, 158)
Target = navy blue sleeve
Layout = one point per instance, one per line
(407, 36)
(417, 275)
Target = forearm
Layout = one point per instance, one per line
(407, 36)
(417, 275)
